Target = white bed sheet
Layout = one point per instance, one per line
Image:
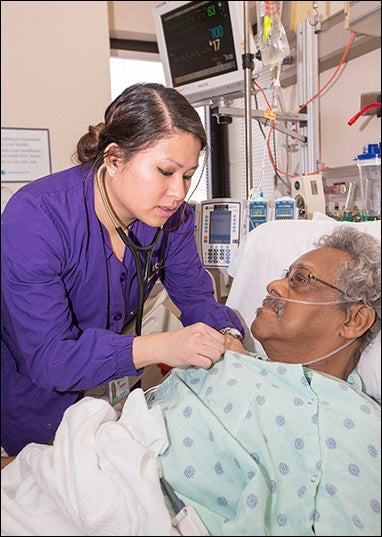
(99, 478)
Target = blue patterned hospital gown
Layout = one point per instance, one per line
(266, 448)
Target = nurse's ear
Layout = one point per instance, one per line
(111, 161)
(111, 166)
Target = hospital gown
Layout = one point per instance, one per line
(266, 448)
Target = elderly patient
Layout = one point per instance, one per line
(287, 443)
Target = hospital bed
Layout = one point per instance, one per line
(127, 463)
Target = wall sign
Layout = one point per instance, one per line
(25, 154)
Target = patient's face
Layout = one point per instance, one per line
(299, 332)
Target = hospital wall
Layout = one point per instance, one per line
(55, 74)
(55, 70)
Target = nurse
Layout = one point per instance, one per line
(81, 251)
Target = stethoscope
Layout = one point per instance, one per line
(142, 273)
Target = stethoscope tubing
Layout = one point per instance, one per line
(142, 275)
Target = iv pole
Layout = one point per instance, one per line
(305, 69)
(307, 77)
(248, 67)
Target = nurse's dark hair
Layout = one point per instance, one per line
(141, 116)
(360, 278)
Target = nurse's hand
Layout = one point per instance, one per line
(198, 345)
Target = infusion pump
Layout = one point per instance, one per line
(221, 226)
(221, 223)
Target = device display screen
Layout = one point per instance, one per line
(199, 41)
(220, 227)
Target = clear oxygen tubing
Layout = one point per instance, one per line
(338, 349)
(282, 299)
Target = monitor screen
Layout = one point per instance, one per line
(220, 227)
(201, 45)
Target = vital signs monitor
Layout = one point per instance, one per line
(220, 230)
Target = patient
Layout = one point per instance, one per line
(290, 445)
(287, 444)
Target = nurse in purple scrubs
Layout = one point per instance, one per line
(81, 251)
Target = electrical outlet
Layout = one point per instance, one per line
(342, 189)
(370, 98)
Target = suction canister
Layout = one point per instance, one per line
(369, 166)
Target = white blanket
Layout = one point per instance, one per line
(100, 477)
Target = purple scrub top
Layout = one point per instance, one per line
(66, 298)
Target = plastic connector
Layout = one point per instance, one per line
(187, 521)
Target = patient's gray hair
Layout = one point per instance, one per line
(359, 280)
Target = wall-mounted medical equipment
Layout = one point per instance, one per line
(201, 46)
(308, 191)
(258, 212)
(285, 208)
(369, 166)
(220, 230)
(363, 18)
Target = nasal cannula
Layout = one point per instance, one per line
(282, 299)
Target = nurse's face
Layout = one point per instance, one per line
(151, 187)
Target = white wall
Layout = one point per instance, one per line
(55, 70)
(340, 143)
(55, 74)
(132, 20)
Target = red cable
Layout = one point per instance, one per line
(364, 109)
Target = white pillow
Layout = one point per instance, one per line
(369, 367)
(273, 246)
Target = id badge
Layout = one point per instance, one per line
(118, 390)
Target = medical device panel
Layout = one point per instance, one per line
(308, 192)
(201, 46)
(285, 208)
(258, 212)
(221, 223)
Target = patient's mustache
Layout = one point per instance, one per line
(276, 305)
